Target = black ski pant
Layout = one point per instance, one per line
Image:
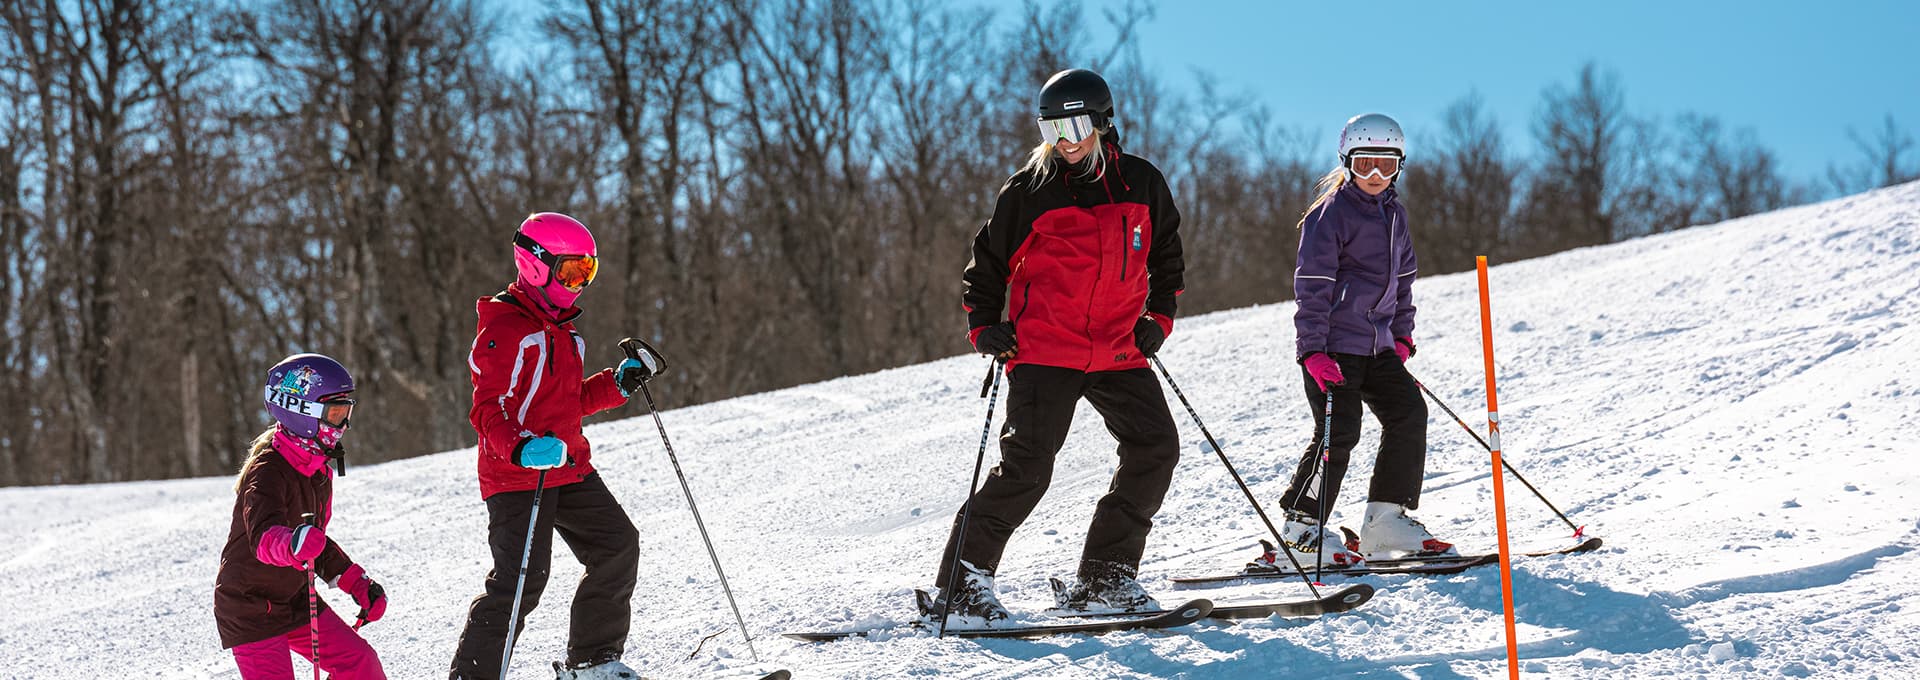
(591, 521)
(1383, 384)
(1040, 405)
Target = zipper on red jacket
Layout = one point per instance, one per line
(1123, 245)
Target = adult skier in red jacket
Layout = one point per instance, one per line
(528, 401)
(1073, 282)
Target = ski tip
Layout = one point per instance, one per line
(1349, 597)
(777, 675)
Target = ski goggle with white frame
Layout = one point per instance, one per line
(334, 411)
(1071, 128)
(1365, 164)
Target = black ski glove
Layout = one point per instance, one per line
(1147, 336)
(997, 340)
(643, 362)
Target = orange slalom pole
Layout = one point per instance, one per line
(1499, 486)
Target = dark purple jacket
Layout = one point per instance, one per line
(1353, 281)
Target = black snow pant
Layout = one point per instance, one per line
(1382, 382)
(1040, 405)
(591, 521)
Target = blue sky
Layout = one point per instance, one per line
(1796, 73)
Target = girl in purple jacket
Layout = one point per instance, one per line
(1353, 284)
(274, 554)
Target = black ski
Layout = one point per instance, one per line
(1171, 618)
(1338, 601)
(1426, 566)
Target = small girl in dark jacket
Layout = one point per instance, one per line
(260, 597)
(1353, 285)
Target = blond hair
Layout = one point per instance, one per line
(1041, 166)
(261, 444)
(1325, 188)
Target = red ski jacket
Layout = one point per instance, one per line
(525, 367)
(1075, 262)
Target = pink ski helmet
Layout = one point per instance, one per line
(555, 255)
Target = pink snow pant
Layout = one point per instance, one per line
(342, 653)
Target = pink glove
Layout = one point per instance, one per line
(366, 593)
(1403, 347)
(1324, 369)
(291, 546)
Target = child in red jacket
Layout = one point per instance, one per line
(260, 598)
(528, 401)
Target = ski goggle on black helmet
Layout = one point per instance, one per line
(1072, 105)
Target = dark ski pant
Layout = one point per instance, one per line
(595, 527)
(1040, 405)
(1383, 384)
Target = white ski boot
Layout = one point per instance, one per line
(1312, 544)
(605, 668)
(1388, 530)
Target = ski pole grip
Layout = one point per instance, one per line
(639, 350)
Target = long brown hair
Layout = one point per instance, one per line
(1325, 188)
(261, 444)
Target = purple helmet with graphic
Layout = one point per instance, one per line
(311, 396)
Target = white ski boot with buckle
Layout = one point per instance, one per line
(1388, 532)
(1312, 544)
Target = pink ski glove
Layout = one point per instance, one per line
(1403, 347)
(290, 546)
(366, 593)
(1324, 369)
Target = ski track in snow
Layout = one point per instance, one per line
(1729, 406)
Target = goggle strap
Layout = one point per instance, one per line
(532, 246)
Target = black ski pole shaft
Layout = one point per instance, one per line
(1578, 530)
(966, 509)
(313, 604)
(520, 583)
(699, 523)
(1326, 510)
(1222, 454)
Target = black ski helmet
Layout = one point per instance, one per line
(1076, 91)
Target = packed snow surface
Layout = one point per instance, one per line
(1732, 407)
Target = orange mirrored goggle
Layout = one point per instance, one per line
(335, 411)
(575, 271)
(572, 271)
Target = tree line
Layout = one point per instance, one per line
(783, 192)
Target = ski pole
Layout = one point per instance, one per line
(1311, 585)
(520, 584)
(313, 606)
(1579, 531)
(1326, 451)
(966, 509)
(697, 522)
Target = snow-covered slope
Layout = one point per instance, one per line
(1732, 407)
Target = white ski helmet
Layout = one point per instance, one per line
(1372, 131)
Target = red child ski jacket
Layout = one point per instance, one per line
(1075, 262)
(526, 368)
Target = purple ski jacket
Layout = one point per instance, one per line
(1353, 281)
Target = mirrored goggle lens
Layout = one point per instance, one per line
(1374, 165)
(575, 271)
(1072, 129)
(336, 412)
